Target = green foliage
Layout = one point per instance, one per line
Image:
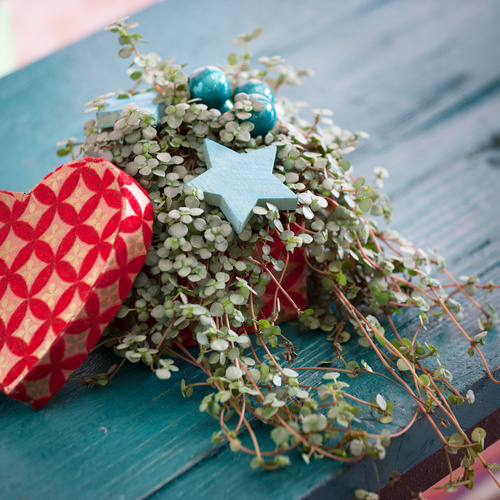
(203, 281)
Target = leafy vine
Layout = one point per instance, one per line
(202, 281)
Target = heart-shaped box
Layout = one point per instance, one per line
(69, 252)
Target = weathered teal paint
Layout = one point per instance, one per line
(427, 91)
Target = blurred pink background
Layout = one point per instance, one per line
(32, 29)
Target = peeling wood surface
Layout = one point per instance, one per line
(423, 78)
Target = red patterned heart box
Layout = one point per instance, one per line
(69, 252)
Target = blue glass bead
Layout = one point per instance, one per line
(227, 106)
(211, 85)
(254, 86)
(264, 119)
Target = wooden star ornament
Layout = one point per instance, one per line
(237, 182)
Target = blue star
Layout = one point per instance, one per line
(237, 182)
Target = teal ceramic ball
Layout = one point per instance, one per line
(264, 119)
(211, 85)
(227, 106)
(254, 86)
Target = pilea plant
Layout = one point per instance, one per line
(202, 282)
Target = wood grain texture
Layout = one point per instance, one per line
(423, 78)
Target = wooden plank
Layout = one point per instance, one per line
(423, 474)
(131, 450)
(428, 95)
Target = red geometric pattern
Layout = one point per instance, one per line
(69, 253)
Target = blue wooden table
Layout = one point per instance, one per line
(423, 79)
